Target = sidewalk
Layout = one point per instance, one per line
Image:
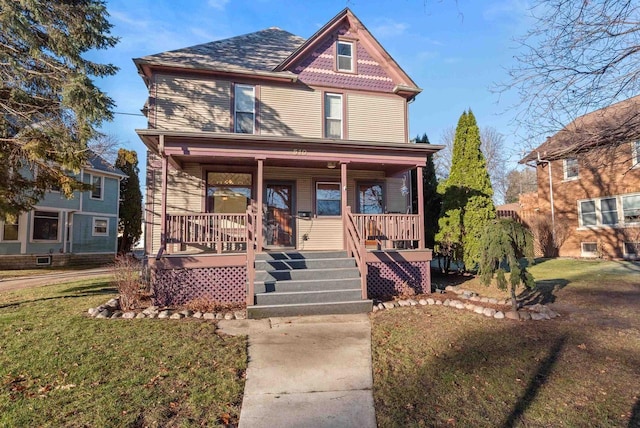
(307, 371)
(51, 278)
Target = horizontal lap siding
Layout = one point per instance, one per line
(290, 111)
(376, 118)
(185, 190)
(324, 233)
(192, 104)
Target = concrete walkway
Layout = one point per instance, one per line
(307, 371)
(51, 278)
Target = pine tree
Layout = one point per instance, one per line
(432, 199)
(467, 204)
(130, 222)
(49, 106)
(505, 242)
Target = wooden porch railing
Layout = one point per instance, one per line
(220, 232)
(356, 248)
(388, 227)
(251, 252)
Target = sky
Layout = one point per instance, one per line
(455, 50)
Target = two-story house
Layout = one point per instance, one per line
(276, 165)
(58, 231)
(589, 183)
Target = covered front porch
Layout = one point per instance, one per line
(220, 200)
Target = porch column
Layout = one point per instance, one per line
(260, 190)
(420, 206)
(163, 203)
(343, 200)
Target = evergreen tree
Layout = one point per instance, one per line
(49, 106)
(467, 203)
(432, 199)
(130, 222)
(505, 242)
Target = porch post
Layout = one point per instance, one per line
(163, 203)
(260, 190)
(343, 200)
(420, 207)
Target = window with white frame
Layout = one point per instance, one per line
(45, 225)
(620, 210)
(631, 250)
(10, 228)
(333, 116)
(100, 226)
(97, 185)
(328, 199)
(589, 249)
(245, 109)
(635, 153)
(344, 57)
(570, 166)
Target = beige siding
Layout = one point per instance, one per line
(192, 104)
(185, 190)
(396, 202)
(294, 111)
(323, 233)
(376, 118)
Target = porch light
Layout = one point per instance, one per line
(331, 165)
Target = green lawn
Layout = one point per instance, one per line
(436, 366)
(61, 368)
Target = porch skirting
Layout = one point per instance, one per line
(173, 287)
(394, 278)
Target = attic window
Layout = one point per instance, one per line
(344, 56)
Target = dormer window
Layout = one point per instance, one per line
(245, 109)
(344, 56)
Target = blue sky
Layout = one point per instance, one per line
(454, 50)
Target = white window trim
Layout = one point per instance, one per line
(33, 219)
(316, 199)
(2, 223)
(91, 177)
(93, 226)
(341, 118)
(564, 170)
(635, 154)
(619, 209)
(235, 107)
(352, 57)
(584, 253)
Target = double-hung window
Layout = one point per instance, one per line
(97, 183)
(588, 213)
(618, 211)
(328, 198)
(635, 153)
(609, 211)
(10, 227)
(631, 209)
(344, 57)
(100, 226)
(333, 116)
(571, 169)
(45, 225)
(245, 109)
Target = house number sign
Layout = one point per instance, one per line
(300, 152)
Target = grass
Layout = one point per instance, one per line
(436, 366)
(61, 368)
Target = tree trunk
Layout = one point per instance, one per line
(514, 303)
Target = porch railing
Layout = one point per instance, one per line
(251, 252)
(219, 232)
(356, 248)
(388, 227)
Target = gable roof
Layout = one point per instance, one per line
(98, 163)
(259, 51)
(616, 124)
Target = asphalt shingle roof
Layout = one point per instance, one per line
(260, 51)
(97, 163)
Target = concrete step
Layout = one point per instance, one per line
(300, 255)
(302, 274)
(294, 297)
(327, 308)
(306, 285)
(293, 264)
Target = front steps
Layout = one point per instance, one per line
(306, 283)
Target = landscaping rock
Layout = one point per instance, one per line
(474, 298)
(512, 315)
(438, 302)
(479, 310)
(209, 316)
(458, 291)
(493, 301)
(140, 315)
(176, 316)
(430, 301)
(228, 316)
(93, 312)
(451, 288)
(526, 315)
(240, 315)
(488, 312)
(423, 302)
(469, 306)
(219, 316)
(186, 313)
(380, 306)
(464, 297)
(412, 302)
(197, 315)
(164, 314)
(129, 315)
(498, 315)
(105, 313)
(484, 300)
(403, 303)
(537, 316)
(116, 314)
(459, 305)
(388, 305)
(375, 308)
(447, 302)
(113, 303)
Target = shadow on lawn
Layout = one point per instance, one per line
(634, 422)
(94, 289)
(543, 293)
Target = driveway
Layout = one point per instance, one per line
(51, 278)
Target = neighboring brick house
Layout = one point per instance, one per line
(266, 145)
(60, 231)
(589, 183)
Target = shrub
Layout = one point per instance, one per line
(208, 304)
(126, 277)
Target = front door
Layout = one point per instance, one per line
(279, 227)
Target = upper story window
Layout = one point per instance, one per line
(333, 116)
(245, 109)
(570, 168)
(97, 182)
(344, 57)
(10, 228)
(635, 153)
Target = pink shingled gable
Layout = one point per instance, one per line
(371, 76)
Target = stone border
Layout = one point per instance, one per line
(537, 312)
(111, 310)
